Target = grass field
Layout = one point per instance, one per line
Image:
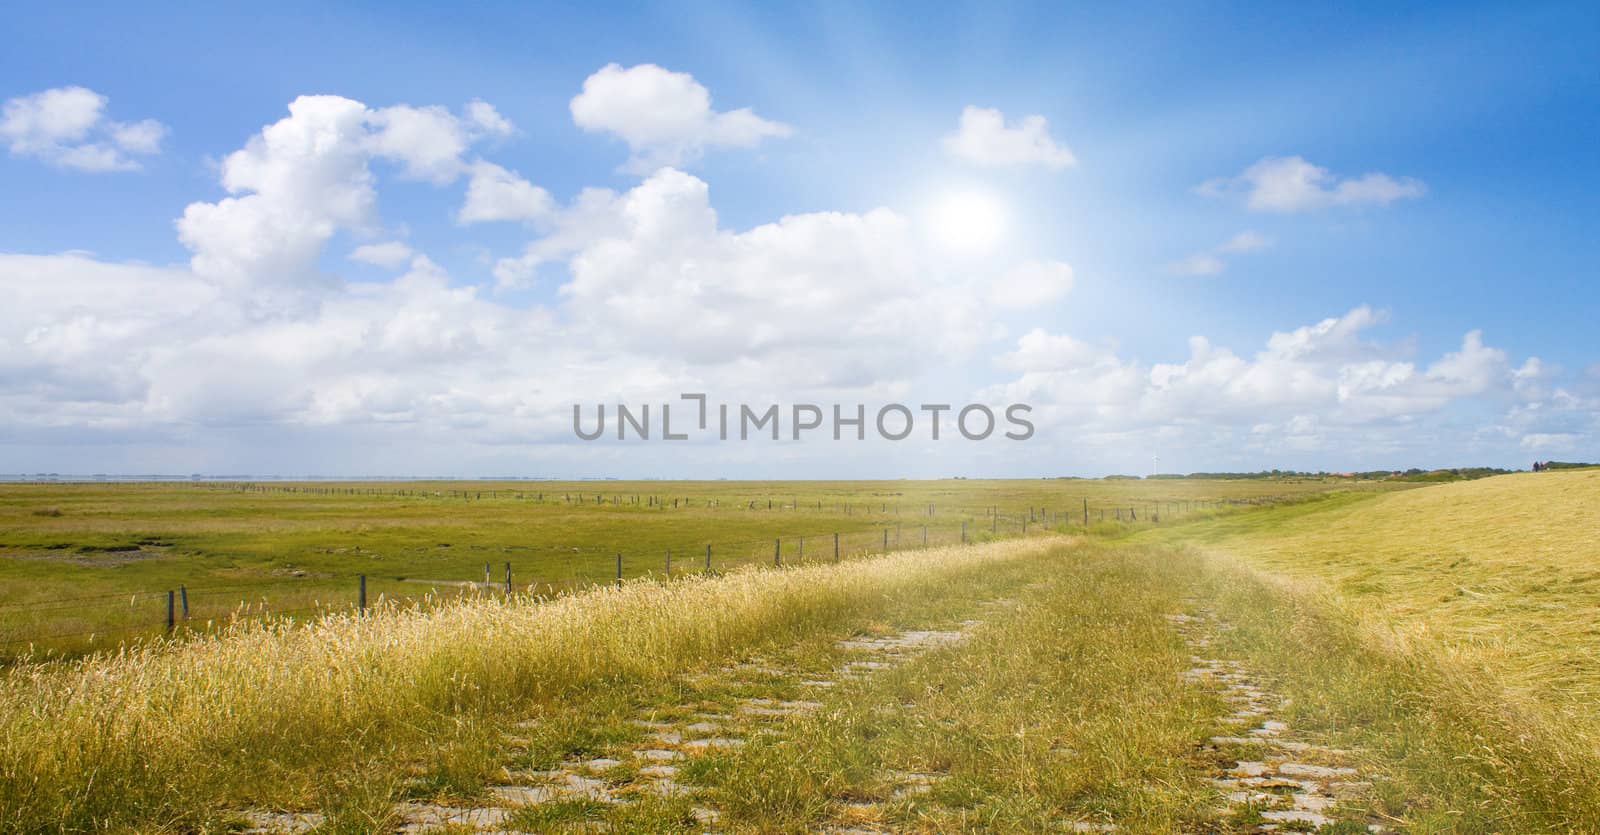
(1417, 660)
(89, 565)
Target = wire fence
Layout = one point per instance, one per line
(103, 620)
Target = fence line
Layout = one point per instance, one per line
(888, 540)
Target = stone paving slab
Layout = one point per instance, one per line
(1289, 783)
(667, 744)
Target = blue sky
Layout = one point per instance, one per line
(1479, 123)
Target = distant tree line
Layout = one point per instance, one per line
(1240, 476)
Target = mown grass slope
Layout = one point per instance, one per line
(1501, 573)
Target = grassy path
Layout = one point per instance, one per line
(1270, 776)
(1048, 695)
(1027, 686)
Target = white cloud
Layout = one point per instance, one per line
(1291, 184)
(44, 120)
(67, 126)
(983, 138)
(495, 193)
(387, 254)
(1311, 383)
(1210, 262)
(819, 299)
(1550, 442)
(306, 177)
(1032, 284)
(664, 116)
(487, 120)
(75, 332)
(429, 142)
(593, 215)
(657, 295)
(142, 137)
(298, 182)
(659, 298)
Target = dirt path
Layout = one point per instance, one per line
(652, 766)
(1272, 779)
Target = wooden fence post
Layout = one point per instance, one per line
(619, 569)
(835, 547)
(508, 578)
(171, 621)
(708, 556)
(183, 598)
(963, 531)
(361, 592)
(777, 552)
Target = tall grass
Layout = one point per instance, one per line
(166, 735)
(1459, 750)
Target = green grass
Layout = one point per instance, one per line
(92, 563)
(1444, 634)
(1069, 707)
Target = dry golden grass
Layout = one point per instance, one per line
(1452, 749)
(1501, 573)
(168, 735)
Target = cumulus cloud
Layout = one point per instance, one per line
(68, 127)
(984, 138)
(1291, 184)
(825, 298)
(593, 215)
(665, 117)
(487, 121)
(658, 296)
(495, 193)
(1210, 262)
(307, 177)
(1309, 383)
(654, 294)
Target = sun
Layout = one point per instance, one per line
(969, 222)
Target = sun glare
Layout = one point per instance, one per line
(968, 222)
